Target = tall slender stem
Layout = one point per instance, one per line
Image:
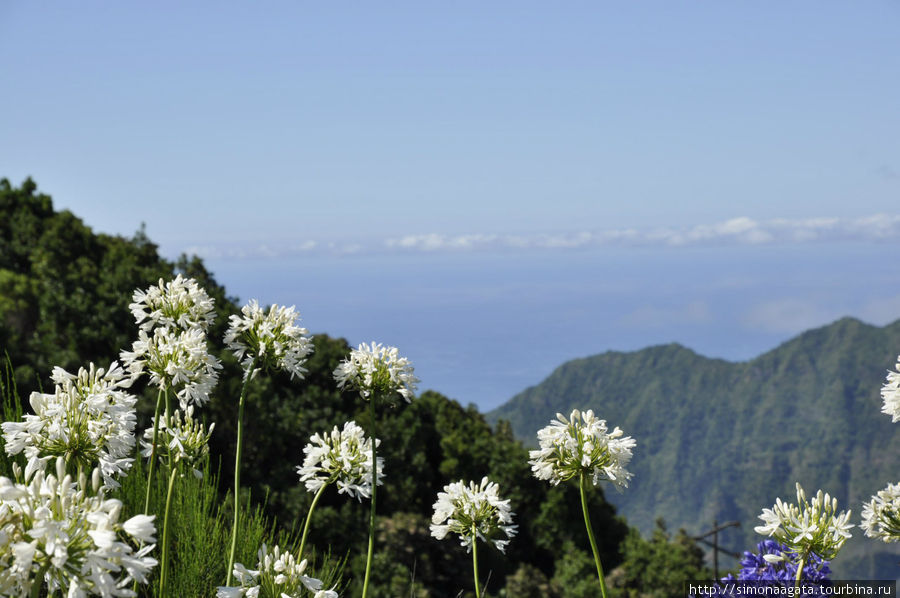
(164, 567)
(475, 559)
(374, 489)
(237, 468)
(39, 581)
(799, 577)
(308, 518)
(159, 396)
(590, 531)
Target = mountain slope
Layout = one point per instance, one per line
(720, 440)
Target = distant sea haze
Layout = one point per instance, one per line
(480, 327)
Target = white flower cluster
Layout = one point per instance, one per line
(278, 575)
(473, 511)
(55, 534)
(186, 438)
(344, 456)
(807, 527)
(179, 303)
(271, 339)
(881, 515)
(376, 369)
(177, 360)
(582, 445)
(890, 394)
(171, 348)
(88, 420)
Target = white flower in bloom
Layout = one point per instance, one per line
(178, 303)
(881, 515)
(807, 527)
(473, 511)
(175, 360)
(582, 444)
(89, 420)
(377, 369)
(270, 338)
(344, 456)
(277, 575)
(890, 394)
(54, 533)
(187, 440)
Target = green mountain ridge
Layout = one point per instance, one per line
(720, 440)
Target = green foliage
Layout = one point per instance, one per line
(64, 291)
(530, 582)
(409, 562)
(720, 440)
(658, 567)
(576, 574)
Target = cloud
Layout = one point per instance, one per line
(736, 231)
(436, 242)
(739, 231)
(244, 251)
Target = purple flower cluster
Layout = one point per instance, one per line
(754, 568)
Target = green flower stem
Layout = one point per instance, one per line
(164, 567)
(587, 523)
(374, 489)
(166, 403)
(237, 468)
(308, 518)
(475, 559)
(799, 577)
(159, 397)
(39, 580)
(168, 420)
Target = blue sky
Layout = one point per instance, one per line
(493, 187)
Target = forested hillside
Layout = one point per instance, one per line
(720, 440)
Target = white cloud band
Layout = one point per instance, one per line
(736, 231)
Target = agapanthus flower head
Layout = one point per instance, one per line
(187, 440)
(473, 511)
(179, 303)
(175, 360)
(88, 420)
(65, 535)
(377, 370)
(761, 577)
(756, 566)
(881, 515)
(277, 575)
(890, 394)
(808, 527)
(270, 338)
(580, 445)
(344, 457)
